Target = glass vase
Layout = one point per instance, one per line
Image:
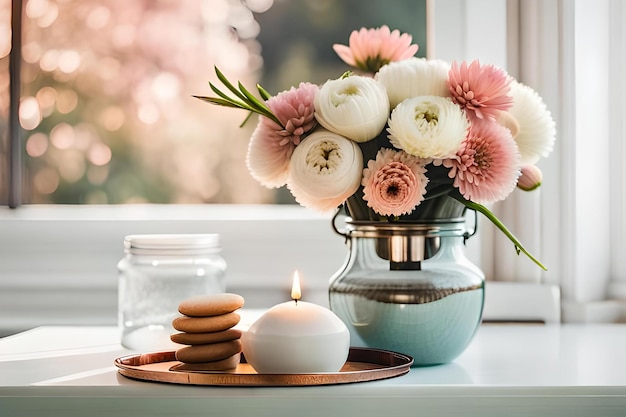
(408, 288)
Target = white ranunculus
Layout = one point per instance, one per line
(428, 127)
(355, 107)
(414, 77)
(325, 169)
(537, 130)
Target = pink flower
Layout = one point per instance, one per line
(481, 90)
(294, 108)
(271, 146)
(530, 178)
(486, 168)
(395, 183)
(370, 49)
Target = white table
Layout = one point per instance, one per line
(508, 370)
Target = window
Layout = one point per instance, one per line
(573, 53)
(577, 232)
(52, 253)
(106, 110)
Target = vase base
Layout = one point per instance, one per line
(432, 333)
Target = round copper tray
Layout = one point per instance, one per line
(363, 364)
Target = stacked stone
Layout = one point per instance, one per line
(206, 327)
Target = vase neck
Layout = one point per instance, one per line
(406, 245)
(444, 227)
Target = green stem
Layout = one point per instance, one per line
(492, 217)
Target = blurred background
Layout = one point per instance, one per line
(107, 112)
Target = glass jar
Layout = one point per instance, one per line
(155, 275)
(408, 287)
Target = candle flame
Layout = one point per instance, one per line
(296, 293)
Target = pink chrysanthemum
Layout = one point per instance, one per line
(395, 183)
(481, 90)
(370, 49)
(271, 145)
(486, 168)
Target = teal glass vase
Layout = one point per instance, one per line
(407, 287)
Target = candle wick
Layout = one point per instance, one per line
(296, 300)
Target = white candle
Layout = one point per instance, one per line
(296, 338)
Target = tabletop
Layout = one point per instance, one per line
(512, 370)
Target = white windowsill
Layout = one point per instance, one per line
(507, 370)
(606, 311)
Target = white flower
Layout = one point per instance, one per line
(428, 127)
(537, 130)
(355, 107)
(509, 121)
(414, 77)
(325, 169)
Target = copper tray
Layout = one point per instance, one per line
(363, 364)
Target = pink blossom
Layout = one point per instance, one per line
(486, 168)
(370, 49)
(395, 183)
(294, 108)
(530, 178)
(271, 145)
(481, 90)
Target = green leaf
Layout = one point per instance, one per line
(227, 98)
(218, 101)
(252, 99)
(228, 85)
(232, 101)
(259, 105)
(246, 101)
(264, 94)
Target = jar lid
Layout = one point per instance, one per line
(172, 242)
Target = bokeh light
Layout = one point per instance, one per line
(148, 113)
(107, 88)
(37, 145)
(36, 8)
(49, 17)
(99, 154)
(112, 118)
(46, 181)
(69, 61)
(62, 136)
(71, 165)
(67, 100)
(29, 113)
(98, 17)
(46, 97)
(5, 39)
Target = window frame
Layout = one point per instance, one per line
(14, 153)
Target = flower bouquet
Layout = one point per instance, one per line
(397, 133)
